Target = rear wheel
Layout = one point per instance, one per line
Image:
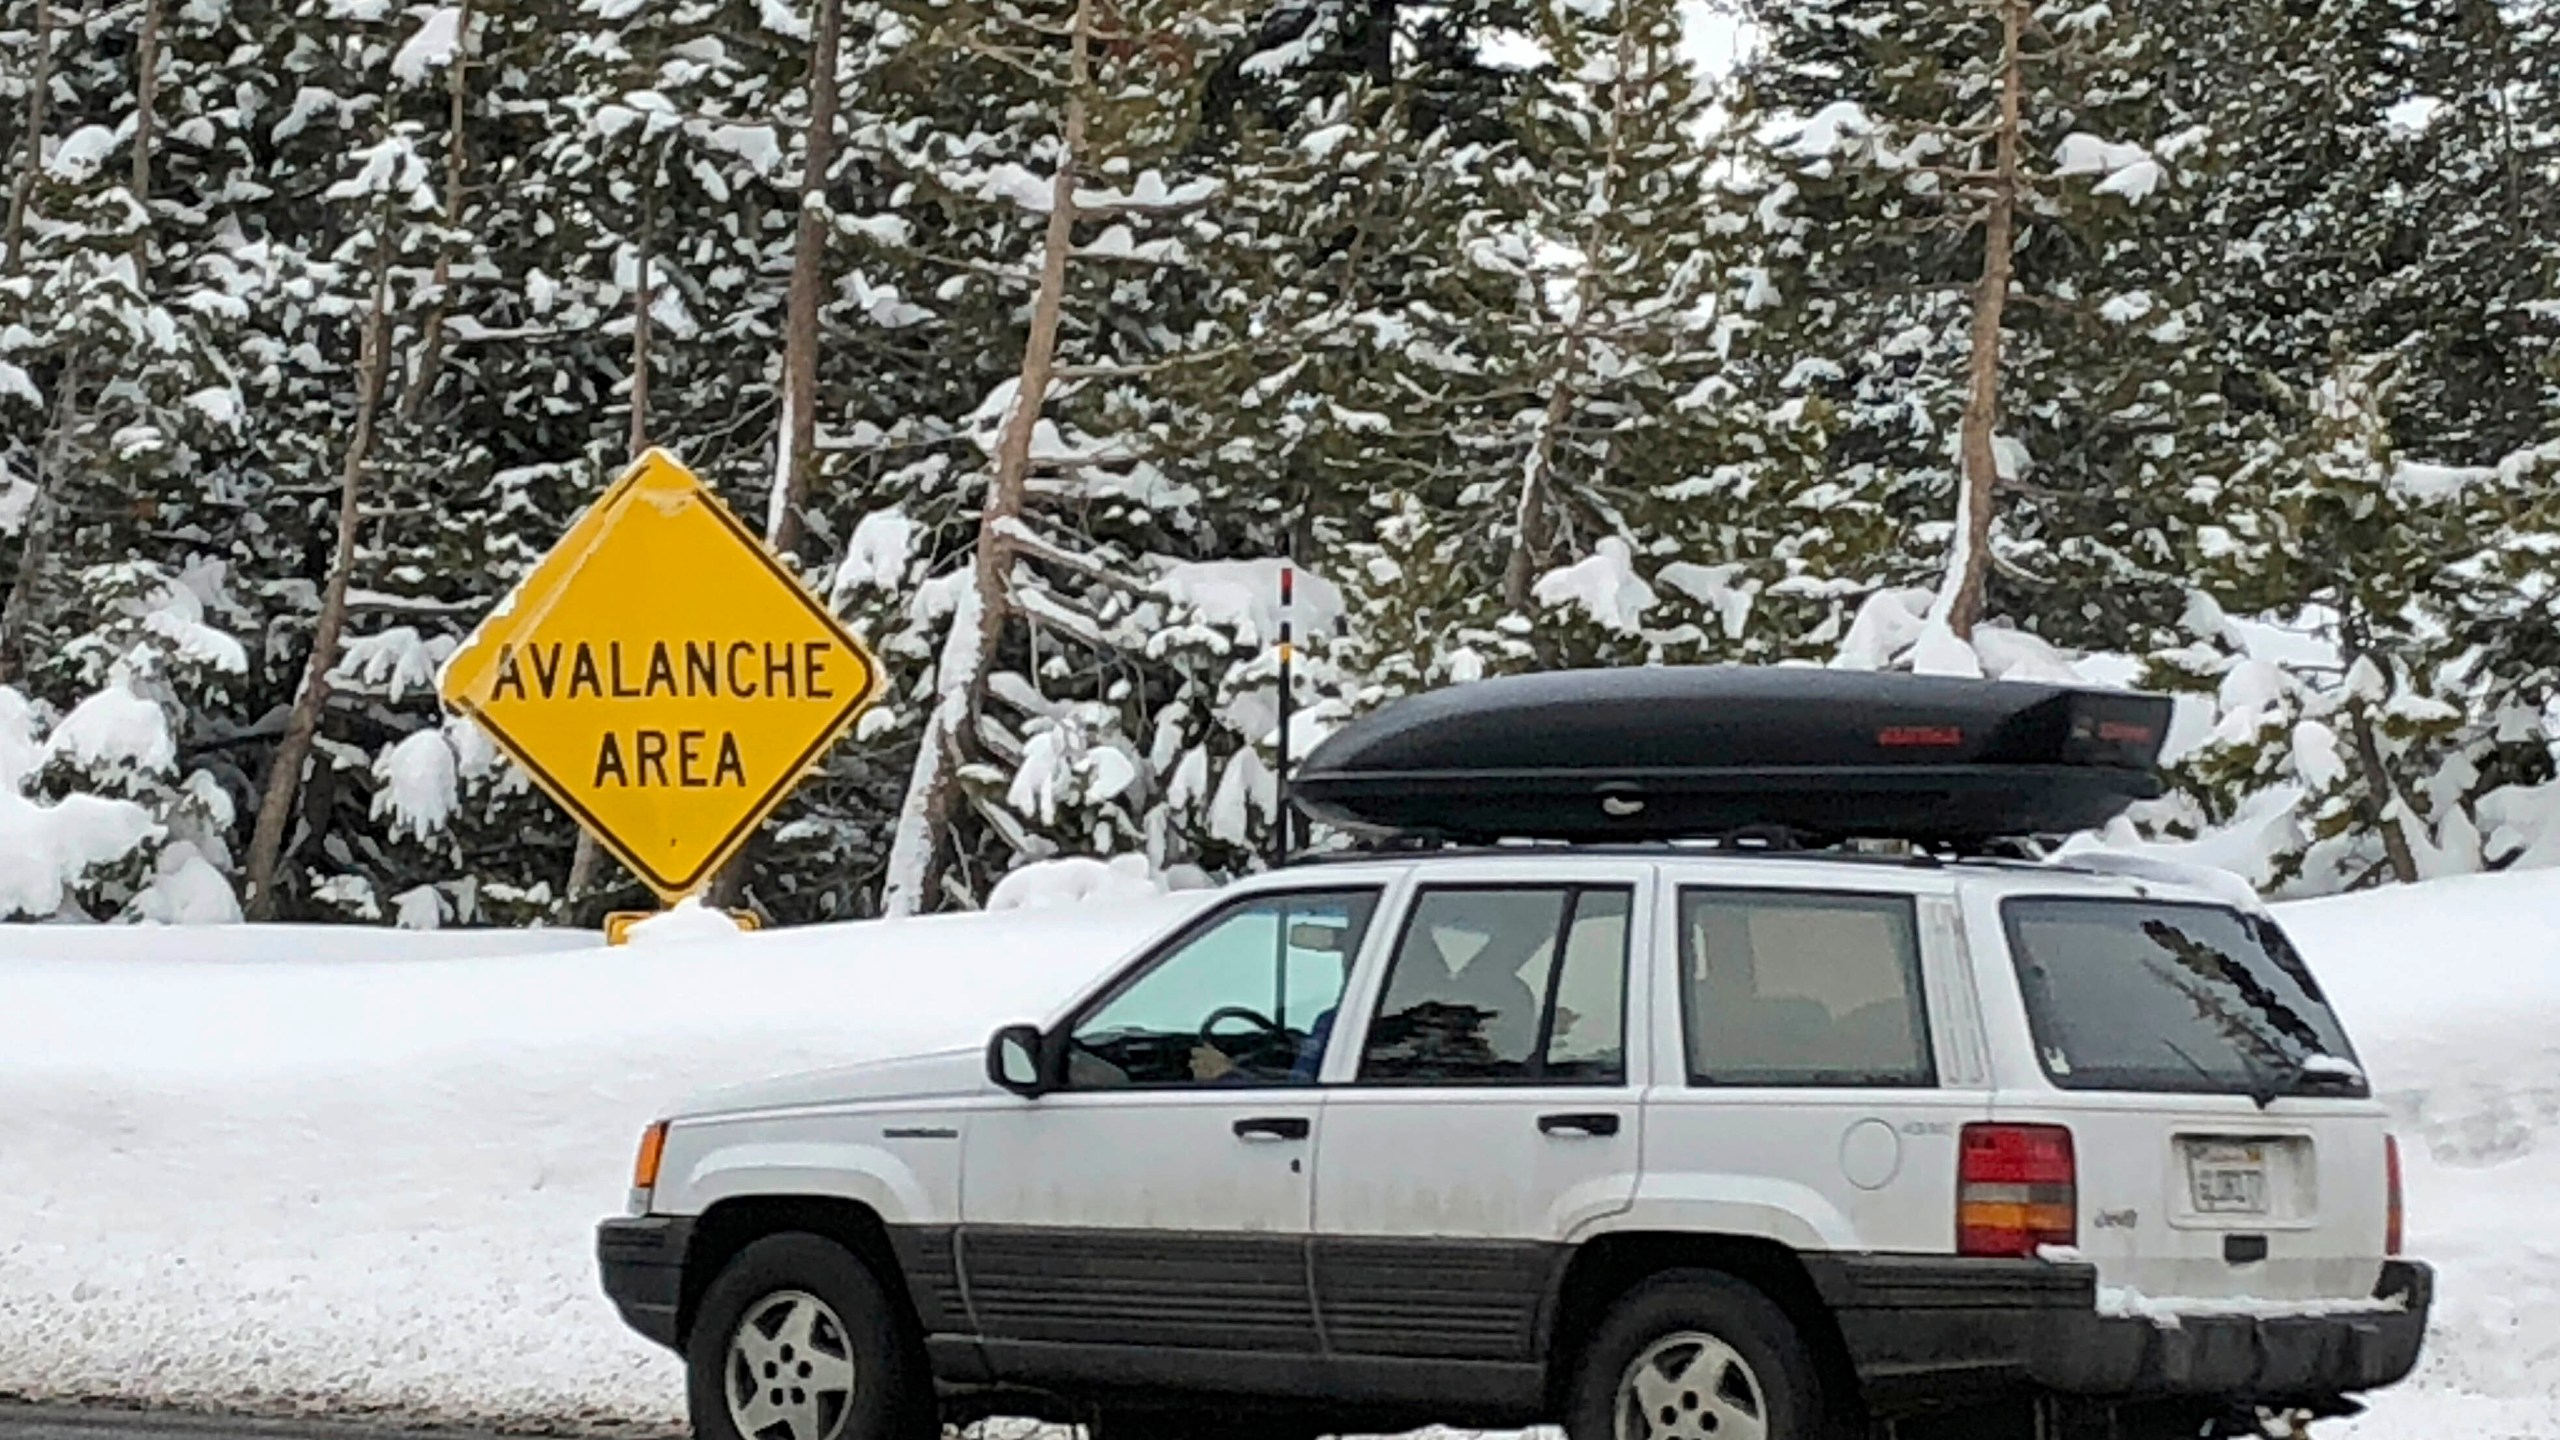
(797, 1340)
(1695, 1355)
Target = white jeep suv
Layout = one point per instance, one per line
(1655, 1143)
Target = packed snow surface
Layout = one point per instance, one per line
(293, 1168)
(288, 1168)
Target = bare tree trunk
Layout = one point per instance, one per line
(915, 852)
(2379, 785)
(583, 863)
(1960, 597)
(589, 856)
(643, 303)
(797, 443)
(31, 162)
(1530, 530)
(457, 81)
(2375, 802)
(146, 87)
(17, 618)
(302, 727)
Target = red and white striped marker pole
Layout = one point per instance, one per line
(1280, 825)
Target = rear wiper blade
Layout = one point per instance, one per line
(2319, 1070)
(2297, 1074)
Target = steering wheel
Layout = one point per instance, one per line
(1265, 1023)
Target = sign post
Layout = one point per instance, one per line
(663, 676)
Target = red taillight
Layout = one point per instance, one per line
(2394, 1216)
(2017, 1188)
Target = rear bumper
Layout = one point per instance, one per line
(641, 1259)
(1926, 1331)
(2271, 1358)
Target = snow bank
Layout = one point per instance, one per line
(297, 945)
(288, 1169)
(280, 1169)
(689, 922)
(1076, 880)
(2452, 992)
(45, 849)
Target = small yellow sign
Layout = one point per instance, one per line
(618, 924)
(663, 676)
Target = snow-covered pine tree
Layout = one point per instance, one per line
(1037, 627)
(2376, 728)
(864, 377)
(1636, 472)
(154, 661)
(375, 221)
(112, 385)
(121, 409)
(2471, 300)
(2344, 201)
(393, 825)
(1943, 204)
(1343, 302)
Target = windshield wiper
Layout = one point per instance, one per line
(2302, 1074)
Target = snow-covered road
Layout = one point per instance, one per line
(363, 1176)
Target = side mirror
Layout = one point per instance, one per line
(1013, 1060)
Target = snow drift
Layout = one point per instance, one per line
(362, 1172)
(252, 1168)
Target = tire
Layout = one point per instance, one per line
(1724, 1361)
(800, 1308)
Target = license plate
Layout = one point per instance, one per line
(2227, 1179)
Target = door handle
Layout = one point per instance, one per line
(1597, 1123)
(1274, 1127)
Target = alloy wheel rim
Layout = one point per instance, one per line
(1691, 1386)
(789, 1373)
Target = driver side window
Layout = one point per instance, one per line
(1246, 998)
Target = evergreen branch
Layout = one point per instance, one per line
(1025, 541)
(1038, 606)
(1008, 58)
(1010, 275)
(2016, 571)
(1152, 367)
(841, 446)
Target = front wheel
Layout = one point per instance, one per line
(797, 1340)
(1695, 1355)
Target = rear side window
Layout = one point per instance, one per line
(2152, 996)
(1512, 985)
(1798, 989)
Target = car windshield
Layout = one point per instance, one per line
(2150, 996)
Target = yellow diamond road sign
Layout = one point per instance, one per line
(663, 676)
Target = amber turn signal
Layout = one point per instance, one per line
(653, 1148)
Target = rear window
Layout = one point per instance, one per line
(2149, 996)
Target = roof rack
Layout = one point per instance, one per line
(1784, 759)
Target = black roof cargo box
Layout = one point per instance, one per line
(1701, 752)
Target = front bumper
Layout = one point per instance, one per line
(1923, 1332)
(641, 1259)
